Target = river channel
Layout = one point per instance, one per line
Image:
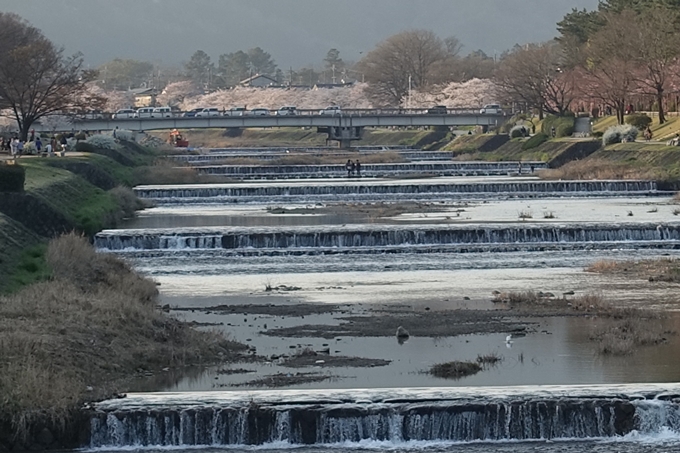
(288, 267)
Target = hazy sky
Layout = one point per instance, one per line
(295, 32)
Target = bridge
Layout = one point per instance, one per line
(344, 127)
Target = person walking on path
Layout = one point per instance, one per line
(358, 168)
(38, 145)
(20, 148)
(13, 147)
(64, 144)
(348, 167)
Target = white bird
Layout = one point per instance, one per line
(508, 342)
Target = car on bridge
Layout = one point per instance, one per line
(259, 112)
(192, 113)
(491, 109)
(437, 110)
(161, 112)
(288, 110)
(123, 114)
(236, 111)
(333, 110)
(144, 112)
(209, 112)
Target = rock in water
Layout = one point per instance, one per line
(402, 333)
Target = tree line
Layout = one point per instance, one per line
(623, 52)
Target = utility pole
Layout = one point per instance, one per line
(409, 91)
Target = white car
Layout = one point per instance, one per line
(332, 110)
(491, 109)
(161, 112)
(287, 111)
(206, 113)
(123, 114)
(259, 112)
(236, 111)
(144, 112)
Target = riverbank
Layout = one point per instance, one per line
(77, 326)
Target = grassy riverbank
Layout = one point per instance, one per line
(76, 326)
(81, 336)
(218, 138)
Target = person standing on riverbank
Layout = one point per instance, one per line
(358, 168)
(348, 166)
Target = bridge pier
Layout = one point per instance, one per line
(345, 135)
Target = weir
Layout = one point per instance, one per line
(356, 191)
(384, 238)
(373, 170)
(394, 416)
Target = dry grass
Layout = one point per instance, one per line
(598, 169)
(76, 337)
(531, 300)
(676, 198)
(655, 270)
(603, 266)
(491, 358)
(455, 370)
(524, 215)
(624, 336)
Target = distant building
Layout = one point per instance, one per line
(258, 80)
(144, 97)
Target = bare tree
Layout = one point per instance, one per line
(533, 75)
(609, 72)
(657, 48)
(408, 60)
(36, 79)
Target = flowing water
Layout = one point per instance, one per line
(218, 246)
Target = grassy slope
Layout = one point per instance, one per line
(293, 137)
(87, 208)
(467, 143)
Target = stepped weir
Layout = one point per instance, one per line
(389, 238)
(393, 416)
(388, 190)
(372, 170)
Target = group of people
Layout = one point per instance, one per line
(353, 168)
(17, 147)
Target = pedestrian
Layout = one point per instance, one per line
(353, 168)
(64, 145)
(348, 167)
(358, 168)
(38, 145)
(553, 132)
(20, 148)
(532, 168)
(519, 167)
(48, 149)
(53, 146)
(13, 147)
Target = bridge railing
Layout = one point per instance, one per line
(76, 117)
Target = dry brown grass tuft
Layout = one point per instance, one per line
(455, 370)
(625, 335)
(653, 270)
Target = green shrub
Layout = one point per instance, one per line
(619, 134)
(12, 178)
(639, 120)
(535, 141)
(80, 136)
(85, 147)
(519, 131)
(564, 125)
